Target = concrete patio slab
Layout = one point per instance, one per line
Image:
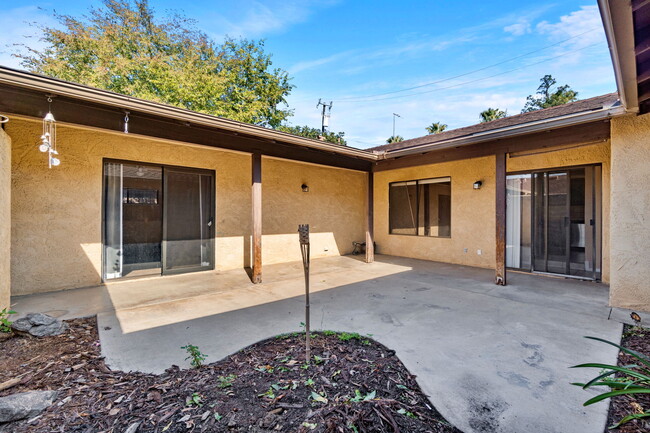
(492, 359)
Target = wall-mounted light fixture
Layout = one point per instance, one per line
(478, 184)
(304, 187)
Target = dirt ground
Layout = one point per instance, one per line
(353, 384)
(637, 339)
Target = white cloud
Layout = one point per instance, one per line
(518, 29)
(255, 18)
(584, 25)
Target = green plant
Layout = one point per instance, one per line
(403, 411)
(309, 382)
(226, 381)
(195, 355)
(194, 400)
(358, 397)
(5, 323)
(217, 416)
(635, 380)
(347, 336)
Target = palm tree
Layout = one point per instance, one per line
(492, 114)
(394, 139)
(436, 128)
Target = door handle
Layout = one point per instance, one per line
(210, 223)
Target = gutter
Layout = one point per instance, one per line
(619, 28)
(68, 89)
(511, 131)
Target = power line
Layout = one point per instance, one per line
(470, 72)
(472, 81)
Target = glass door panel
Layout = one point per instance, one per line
(188, 221)
(557, 225)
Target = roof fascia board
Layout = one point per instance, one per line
(54, 86)
(512, 131)
(619, 29)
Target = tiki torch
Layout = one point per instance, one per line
(303, 235)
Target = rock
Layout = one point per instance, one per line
(25, 404)
(40, 319)
(22, 325)
(50, 330)
(39, 325)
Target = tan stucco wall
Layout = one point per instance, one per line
(630, 213)
(472, 214)
(56, 214)
(473, 211)
(5, 218)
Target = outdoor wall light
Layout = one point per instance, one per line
(304, 187)
(478, 184)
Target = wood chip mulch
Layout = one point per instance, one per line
(353, 385)
(637, 339)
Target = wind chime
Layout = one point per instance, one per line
(303, 236)
(48, 139)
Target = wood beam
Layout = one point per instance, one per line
(500, 278)
(256, 194)
(370, 236)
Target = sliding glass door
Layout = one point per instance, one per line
(553, 221)
(157, 220)
(189, 220)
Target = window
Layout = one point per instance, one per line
(420, 207)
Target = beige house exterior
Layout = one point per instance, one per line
(448, 197)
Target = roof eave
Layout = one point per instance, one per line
(512, 131)
(54, 86)
(619, 29)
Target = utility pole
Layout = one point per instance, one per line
(394, 116)
(325, 117)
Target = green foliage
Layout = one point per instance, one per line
(309, 382)
(547, 97)
(218, 416)
(226, 381)
(436, 128)
(5, 323)
(314, 133)
(124, 47)
(394, 139)
(319, 397)
(347, 336)
(492, 114)
(358, 397)
(194, 400)
(403, 411)
(196, 357)
(635, 380)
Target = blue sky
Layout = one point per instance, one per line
(362, 55)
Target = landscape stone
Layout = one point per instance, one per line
(23, 405)
(40, 319)
(55, 328)
(22, 325)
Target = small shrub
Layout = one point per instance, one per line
(226, 381)
(5, 323)
(194, 400)
(635, 380)
(196, 357)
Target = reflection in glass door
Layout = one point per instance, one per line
(562, 210)
(157, 220)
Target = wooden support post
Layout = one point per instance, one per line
(256, 194)
(501, 219)
(370, 237)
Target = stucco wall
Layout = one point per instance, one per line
(5, 218)
(630, 213)
(56, 214)
(473, 211)
(472, 214)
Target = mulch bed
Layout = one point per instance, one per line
(353, 385)
(637, 339)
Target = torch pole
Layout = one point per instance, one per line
(303, 235)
